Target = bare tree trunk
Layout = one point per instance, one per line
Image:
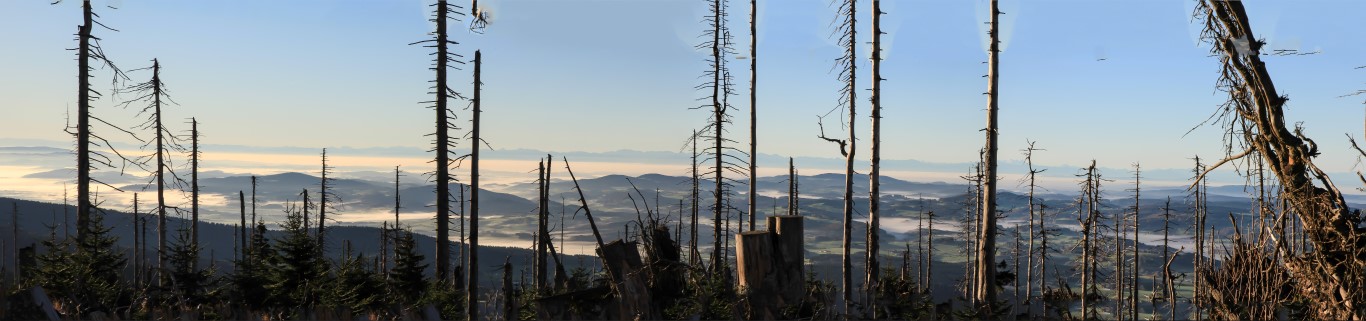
(253, 204)
(986, 251)
(443, 143)
(137, 243)
(1119, 274)
(1029, 281)
(696, 259)
(1168, 279)
(850, 94)
(539, 268)
(874, 172)
(471, 306)
(791, 187)
(1197, 298)
(1016, 256)
(1086, 210)
(83, 166)
(161, 171)
(753, 109)
(242, 228)
(1133, 290)
(323, 193)
(194, 185)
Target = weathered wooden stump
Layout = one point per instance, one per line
(626, 269)
(770, 267)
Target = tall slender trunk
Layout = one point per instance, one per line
(696, 254)
(194, 185)
(1197, 298)
(539, 259)
(1029, 280)
(161, 170)
(874, 172)
(137, 243)
(1167, 277)
(443, 176)
(753, 108)
(253, 204)
(1119, 275)
(986, 251)
(718, 121)
(850, 47)
(1133, 286)
(323, 192)
(791, 187)
(83, 204)
(1016, 256)
(242, 207)
(472, 294)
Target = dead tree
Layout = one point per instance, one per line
(253, 202)
(154, 94)
(1029, 280)
(753, 107)
(137, 242)
(871, 266)
(1198, 224)
(443, 142)
(324, 194)
(88, 49)
(242, 227)
(194, 185)
(539, 258)
(846, 29)
(719, 81)
(1118, 268)
(471, 294)
(986, 251)
(1330, 277)
(1168, 279)
(1133, 285)
(1088, 212)
(696, 255)
(792, 193)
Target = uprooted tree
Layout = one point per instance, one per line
(1331, 276)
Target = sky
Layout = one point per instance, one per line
(1118, 81)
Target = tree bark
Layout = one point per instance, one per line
(874, 195)
(443, 177)
(471, 306)
(986, 247)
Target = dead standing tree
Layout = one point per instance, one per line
(443, 142)
(1331, 277)
(194, 187)
(846, 31)
(154, 94)
(986, 247)
(471, 293)
(325, 194)
(88, 50)
(753, 108)
(871, 267)
(719, 85)
(1029, 262)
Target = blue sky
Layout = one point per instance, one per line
(611, 75)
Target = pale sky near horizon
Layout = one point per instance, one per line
(613, 75)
